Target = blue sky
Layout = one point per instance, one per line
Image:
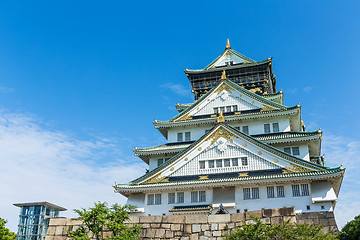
(81, 83)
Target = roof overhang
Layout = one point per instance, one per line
(45, 204)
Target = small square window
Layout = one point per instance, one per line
(244, 161)
(226, 162)
(270, 192)
(234, 162)
(180, 197)
(275, 127)
(194, 196)
(150, 199)
(222, 109)
(296, 190)
(267, 128)
(202, 164)
(160, 161)
(202, 196)
(304, 189)
(157, 199)
(180, 137)
(245, 129)
(171, 198)
(211, 163)
(235, 108)
(287, 150)
(322, 207)
(219, 163)
(216, 110)
(295, 151)
(255, 193)
(308, 207)
(187, 136)
(280, 191)
(228, 109)
(246, 192)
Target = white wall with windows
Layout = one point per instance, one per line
(296, 149)
(157, 160)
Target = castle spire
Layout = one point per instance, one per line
(223, 75)
(227, 44)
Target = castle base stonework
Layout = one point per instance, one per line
(204, 227)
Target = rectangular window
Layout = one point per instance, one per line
(235, 162)
(270, 192)
(219, 163)
(216, 110)
(275, 127)
(295, 151)
(295, 190)
(222, 109)
(235, 108)
(180, 197)
(246, 192)
(255, 193)
(244, 161)
(194, 197)
(280, 191)
(171, 198)
(287, 150)
(226, 162)
(245, 129)
(237, 128)
(228, 109)
(304, 189)
(157, 199)
(150, 199)
(202, 164)
(267, 128)
(160, 161)
(211, 164)
(187, 136)
(202, 196)
(180, 137)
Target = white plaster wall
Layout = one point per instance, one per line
(303, 149)
(136, 199)
(255, 127)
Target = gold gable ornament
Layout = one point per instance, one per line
(221, 118)
(228, 44)
(223, 75)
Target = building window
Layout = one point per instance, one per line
(157, 199)
(187, 136)
(150, 199)
(270, 192)
(235, 108)
(160, 161)
(194, 196)
(219, 163)
(226, 162)
(307, 207)
(228, 108)
(202, 196)
(275, 127)
(211, 164)
(295, 190)
(251, 193)
(244, 161)
(305, 190)
(180, 197)
(237, 128)
(280, 191)
(222, 109)
(202, 164)
(216, 110)
(171, 198)
(180, 137)
(287, 150)
(267, 128)
(245, 129)
(295, 151)
(235, 162)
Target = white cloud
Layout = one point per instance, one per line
(6, 90)
(345, 151)
(38, 164)
(307, 89)
(177, 88)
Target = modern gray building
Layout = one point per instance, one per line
(34, 219)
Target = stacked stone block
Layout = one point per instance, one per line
(203, 227)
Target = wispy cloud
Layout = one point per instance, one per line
(307, 89)
(6, 90)
(177, 88)
(38, 164)
(342, 150)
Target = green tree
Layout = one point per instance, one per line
(5, 233)
(256, 230)
(351, 231)
(100, 218)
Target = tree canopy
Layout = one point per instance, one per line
(101, 219)
(256, 230)
(5, 233)
(351, 231)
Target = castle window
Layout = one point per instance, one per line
(216, 110)
(171, 198)
(296, 190)
(228, 108)
(304, 189)
(211, 164)
(255, 193)
(244, 161)
(202, 196)
(235, 162)
(150, 199)
(226, 162)
(180, 197)
(295, 151)
(235, 108)
(275, 127)
(251, 193)
(194, 196)
(198, 196)
(245, 129)
(180, 137)
(202, 164)
(187, 136)
(157, 199)
(219, 163)
(280, 191)
(160, 161)
(267, 128)
(222, 109)
(270, 192)
(287, 150)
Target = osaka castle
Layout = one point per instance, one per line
(236, 148)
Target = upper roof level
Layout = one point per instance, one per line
(257, 77)
(45, 204)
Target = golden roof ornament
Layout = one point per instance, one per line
(228, 44)
(221, 118)
(223, 75)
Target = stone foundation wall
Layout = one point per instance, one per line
(204, 227)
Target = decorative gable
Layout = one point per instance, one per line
(225, 143)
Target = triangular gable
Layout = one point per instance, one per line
(229, 55)
(226, 94)
(265, 156)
